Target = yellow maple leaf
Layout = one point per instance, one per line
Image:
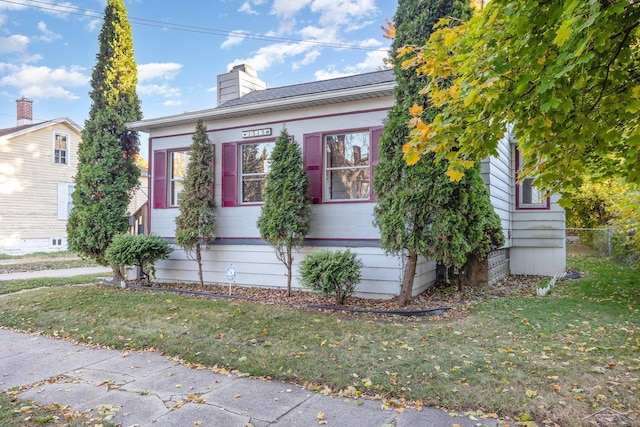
(411, 157)
(454, 175)
(415, 110)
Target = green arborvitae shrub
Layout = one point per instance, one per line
(107, 174)
(286, 213)
(331, 273)
(141, 250)
(196, 223)
(420, 212)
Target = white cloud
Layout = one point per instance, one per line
(309, 58)
(158, 70)
(274, 54)
(287, 9)
(370, 43)
(330, 74)
(45, 82)
(47, 35)
(163, 91)
(172, 103)
(235, 38)
(336, 12)
(246, 8)
(14, 43)
(373, 61)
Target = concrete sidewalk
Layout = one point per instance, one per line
(147, 389)
(64, 272)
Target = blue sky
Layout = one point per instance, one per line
(48, 48)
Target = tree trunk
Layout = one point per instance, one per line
(289, 265)
(118, 277)
(406, 289)
(199, 261)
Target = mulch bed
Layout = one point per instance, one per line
(441, 296)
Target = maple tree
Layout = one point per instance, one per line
(564, 72)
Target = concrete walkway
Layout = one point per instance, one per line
(147, 389)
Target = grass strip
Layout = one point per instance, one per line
(12, 286)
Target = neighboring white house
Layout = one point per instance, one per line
(38, 162)
(338, 123)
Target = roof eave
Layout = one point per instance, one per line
(281, 104)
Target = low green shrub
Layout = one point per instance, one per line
(141, 250)
(331, 273)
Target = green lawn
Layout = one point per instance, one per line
(571, 357)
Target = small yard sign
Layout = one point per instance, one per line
(231, 275)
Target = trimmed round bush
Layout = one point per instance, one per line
(331, 273)
(141, 250)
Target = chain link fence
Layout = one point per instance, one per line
(588, 241)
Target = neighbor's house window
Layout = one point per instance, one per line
(178, 161)
(255, 164)
(65, 201)
(528, 196)
(61, 148)
(347, 175)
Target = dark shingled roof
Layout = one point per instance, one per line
(283, 92)
(7, 131)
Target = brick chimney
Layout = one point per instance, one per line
(241, 80)
(25, 111)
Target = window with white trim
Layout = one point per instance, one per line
(255, 164)
(178, 161)
(346, 166)
(528, 196)
(61, 148)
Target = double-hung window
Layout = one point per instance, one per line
(61, 148)
(178, 161)
(528, 196)
(347, 175)
(255, 164)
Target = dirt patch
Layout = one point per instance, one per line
(441, 296)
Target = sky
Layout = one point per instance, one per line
(48, 49)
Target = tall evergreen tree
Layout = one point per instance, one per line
(286, 214)
(195, 225)
(419, 211)
(107, 174)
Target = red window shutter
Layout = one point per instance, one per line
(312, 150)
(160, 179)
(230, 174)
(376, 134)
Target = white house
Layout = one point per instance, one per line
(38, 162)
(338, 123)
